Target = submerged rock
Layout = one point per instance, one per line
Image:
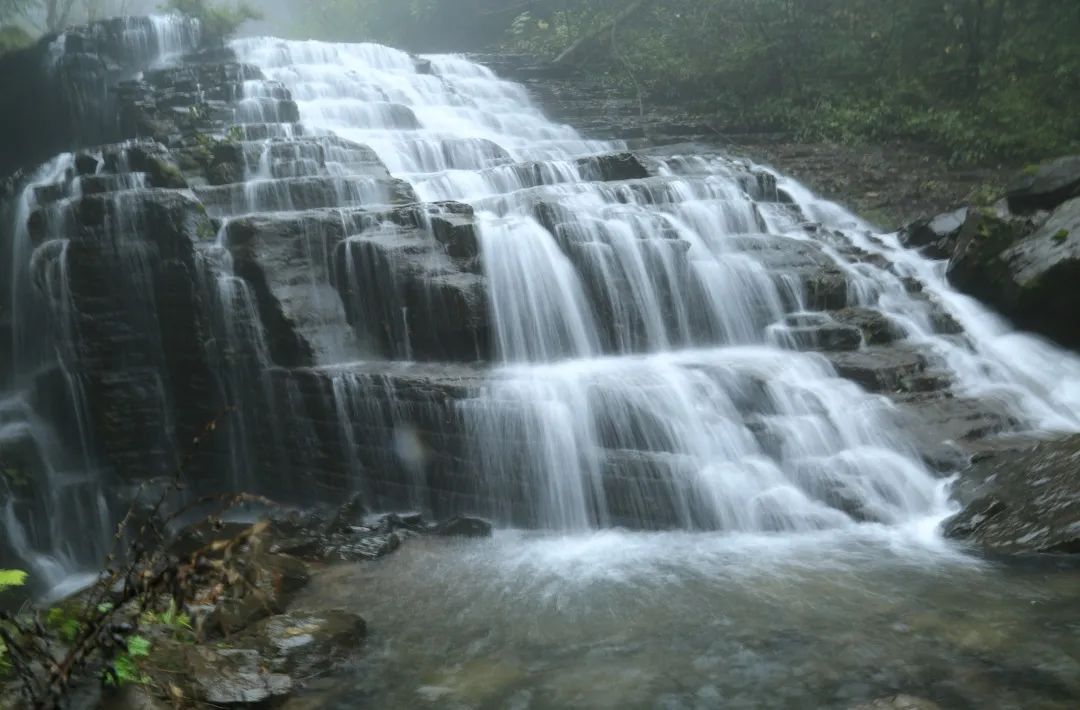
(463, 526)
(1022, 501)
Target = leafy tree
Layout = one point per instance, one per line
(219, 22)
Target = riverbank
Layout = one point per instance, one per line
(890, 185)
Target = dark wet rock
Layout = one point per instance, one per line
(935, 237)
(880, 369)
(220, 676)
(825, 335)
(1029, 276)
(473, 153)
(305, 644)
(613, 167)
(227, 163)
(456, 230)
(408, 297)
(136, 303)
(463, 526)
(304, 193)
(1046, 186)
(1022, 501)
(286, 260)
(86, 164)
(318, 538)
(148, 157)
(876, 328)
(801, 263)
(640, 489)
(975, 267)
(947, 429)
(271, 581)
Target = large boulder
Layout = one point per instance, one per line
(613, 166)
(1022, 501)
(1046, 186)
(1028, 277)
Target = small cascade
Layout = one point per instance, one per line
(60, 503)
(56, 515)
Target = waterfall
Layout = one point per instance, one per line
(58, 513)
(646, 324)
(423, 290)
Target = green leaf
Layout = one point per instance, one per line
(11, 578)
(138, 646)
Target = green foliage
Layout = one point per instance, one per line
(1060, 236)
(219, 22)
(64, 622)
(125, 667)
(171, 619)
(10, 578)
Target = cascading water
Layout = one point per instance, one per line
(57, 515)
(407, 283)
(643, 321)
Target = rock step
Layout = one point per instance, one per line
(409, 298)
(265, 110)
(435, 409)
(264, 131)
(297, 194)
(438, 154)
(405, 279)
(881, 369)
(312, 156)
